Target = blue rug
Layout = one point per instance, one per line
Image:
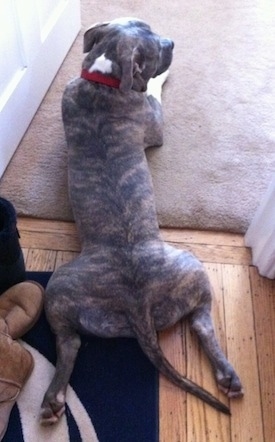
(113, 383)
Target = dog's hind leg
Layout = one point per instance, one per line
(227, 379)
(147, 337)
(53, 405)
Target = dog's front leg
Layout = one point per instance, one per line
(53, 405)
(154, 117)
(154, 86)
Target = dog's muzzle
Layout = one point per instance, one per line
(166, 54)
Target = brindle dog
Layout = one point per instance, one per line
(126, 280)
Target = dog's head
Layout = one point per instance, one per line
(128, 50)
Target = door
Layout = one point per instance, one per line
(35, 36)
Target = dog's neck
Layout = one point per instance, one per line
(98, 77)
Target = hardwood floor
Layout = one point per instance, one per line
(244, 317)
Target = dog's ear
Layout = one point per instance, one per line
(93, 35)
(131, 67)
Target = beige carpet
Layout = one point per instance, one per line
(219, 106)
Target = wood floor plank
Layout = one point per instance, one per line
(50, 241)
(263, 291)
(217, 254)
(202, 237)
(48, 234)
(172, 400)
(45, 225)
(246, 419)
(214, 272)
(205, 424)
(40, 260)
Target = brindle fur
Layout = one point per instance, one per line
(126, 281)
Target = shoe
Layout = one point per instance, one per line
(16, 365)
(20, 308)
(12, 266)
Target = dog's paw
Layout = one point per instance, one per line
(154, 86)
(163, 77)
(52, 410)
(230, 384)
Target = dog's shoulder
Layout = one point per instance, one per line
(80, 94)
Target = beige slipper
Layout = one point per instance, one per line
(16, 365)
(20, 308)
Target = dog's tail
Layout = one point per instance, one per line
(148, 340)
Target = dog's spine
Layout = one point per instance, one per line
(148, 340)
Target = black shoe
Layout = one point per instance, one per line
(12, 266)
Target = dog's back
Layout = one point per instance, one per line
(110, 185)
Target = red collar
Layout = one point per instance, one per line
(97, 77)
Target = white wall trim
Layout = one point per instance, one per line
(260, 235)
